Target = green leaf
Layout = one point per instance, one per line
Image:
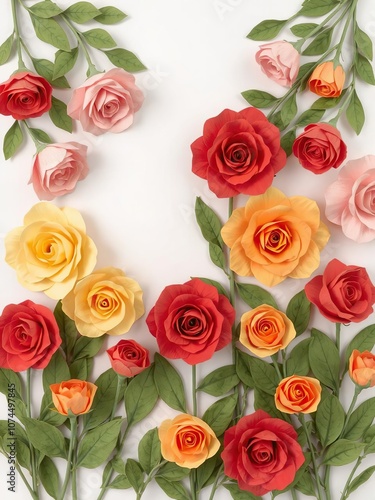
(306, 485)
(311, 116)
(324, 359)
(40, 135)
(303, 30)
(264, 375)
(243, 368)
(141, 396)
(220, 414)
(360, 420)
(289, 109)
(304, 71)
(48, 411)
(173, 489)
(287, 141)
(362, 478)
(45, 9)
(87, 347)
(169, 384)
(298, 360)
(254, 295)
(64, 62)
(67, 328)
(219, 287)
(299, 311)
(6, 49)
(134, 474)
(99, 39)
(49, 31)
(276, 119)
(343, 452)
(317, 8)
(97, 444)
(45, 437)
(355, 113)
(208, 222)
(364, 69)
(259, 98)
(45, 69)
(110, 15)
(60, 118)
(238, 494)
(220, 381)
(81, 368)
(125, 59)
(81, 12)
(120, 482)
(320, 44)
(10, 382)
(205, 471)
(266, 30)
(217, 255)
(330, 417)
(49, 476)
(12, 140)
(324, 103)
(266, 402)
(149, 452)
(363, 341)
(363, 41)
(56, 371)
(172, 472)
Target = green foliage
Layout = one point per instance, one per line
(287, 141)
(299, 311)
(317, 8)
(45, 437)
(298, 359)
(149, 452)
(140, 396)
(56, 371)
(134, 473)
(360, 420)
(6, 49)
(355, 113)
(220, 381)
(330, 417)
(59, 115)
(81, 12)
(125, 59)
(238, 494)
(173, 489)
(320, 44)
(254, 295)
(363, 341)
(266, 30)
(169, 384)
(259, 98)
(64, 62)
(45, 9)
(12, 140)
(343, 452)
(243, 368)
(219, 415)
(324, 359)
(49, 476)
(99, 39)
(49, 31)
(110, 15)
(208, 222)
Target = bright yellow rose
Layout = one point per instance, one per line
(51, 251)
(106, 301)
(274, 237)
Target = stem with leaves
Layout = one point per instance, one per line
(69, 463)
(32, 450)
(320, 496)
(21, 64)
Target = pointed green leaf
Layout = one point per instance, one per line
(49, 31)
(303, 30)
(266, 402)
(141, 396)
(45, 437)
(217, 255)
(355, 113)
(125, 59)
(264, 375)
(64, 62)
(173, 489)
(60, 118)
(320, 44)
(49, 476)
(40, 135)
(363, 41)
(298, 360)
(363, 341)
(364, 69)
(9, 382)
(305, 71)
(45, 69)
(208, 222)
(289, 109)
(172, 472)
(243, 368)
(220, 381)
(87, 347)
(169, 384)
(67, 328)
(324, 359)
(110, 15)
(220, 414)
(254, 295)
(330, 417)
(299, 311)
(324, 103)
(259, 98)
(99, 39)
(305, 484)
(206, 470)
(343, 452)
(287, 141)
(81, 12)
(6, 49)
(369, 439)
(134, 473)
(310, 116)
(120, 482)
(277, 120)
(81, 368)
(48, 411)
(360, 420)
(317, 8)
(12, 140)
(266, 30)
(56, 371)
(362, 478)
(238, 494)
(149, 453)
(45, 9)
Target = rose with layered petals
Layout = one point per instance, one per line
(261, 453)
(106, 102)
(128, 358)
(25, 95)
(73, 395)
(279, 61)
(327, 80)
(187, 441)
(238, 153)
(320, 148)
(343, 294)
(265, 330)
(298, 394)
(350, 201)
(106, 301)
(274, 237)
(362, 368)
(191, 321)
(58, 168)
(29, 336)
(51, 251)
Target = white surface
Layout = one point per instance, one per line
(138, 200)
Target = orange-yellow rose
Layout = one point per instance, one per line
(187, 441)
(265, 330)
(362, 368)
(327, 80)
(51, 251)
(297, 394)
(274, 237)
(74, 395)
(106, 301)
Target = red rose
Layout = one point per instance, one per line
(343, 294)
(261, 453)
(239, 153)
(25, 95)
(128, 358)
(29, 336)
(320, 148)
(191, 321)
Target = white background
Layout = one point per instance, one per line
(138, 199)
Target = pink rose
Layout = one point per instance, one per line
(106, 102)
(350, 201)
(279, 61)
(58, 168)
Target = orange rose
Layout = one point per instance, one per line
(187, 441)
(362, 368)
(265, 330)
(297, 394)
(274, 237)
(327, 80)
(74, 395)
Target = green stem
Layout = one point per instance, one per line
(327, 487)
(345, 493)
(294, 494)
(33, 494)
(69, 463)
(357, 391)
(120, 380)
(351, 8)
(21, 64)
(313, 457)
(39, 146)
(194, 389)
(149, 479)
(349, 91)
(32, 450)
(338, 328)
(216, 483)
(276, 365)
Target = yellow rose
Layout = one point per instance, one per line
(106, 301)
(274, 237)
(51, 251)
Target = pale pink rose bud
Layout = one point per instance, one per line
(106, 102)
(58, 168)
(279, 61)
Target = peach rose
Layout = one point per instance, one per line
(74, 395)
(106, 102)
(327, 80)
(51, 251)
(106, 301)
(350, 199)
(187, 441)
(279, 61)
(297, 394)
(362, 368)
(274, 237)
(265, 330)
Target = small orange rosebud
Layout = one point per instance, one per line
(362, 368)
(298, 394)
(327, 80)
(74, 395)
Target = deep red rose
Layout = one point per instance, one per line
(320, 148)
(29, 336)
(25, 95)
(191, 321)
(239, 153)
(343, 294)
(128, 358)
(261, 453)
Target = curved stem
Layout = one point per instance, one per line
(120, 380)
(32, 450)
(351, 8)
(313, 457)
(69, 464)
(34, 495)
(216, 483)
(149, 479)
(345, 492)
(39, 146)
(21, 64)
